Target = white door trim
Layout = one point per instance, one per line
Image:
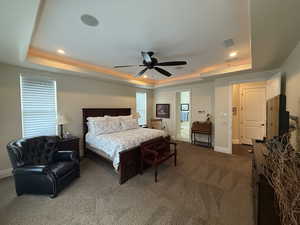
(230, 86)
(177, 116)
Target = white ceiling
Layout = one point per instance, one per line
(275, 31)
(17, 21)
(189, 30)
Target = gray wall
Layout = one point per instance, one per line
(202, 99)
(73, 94)
(292, 69)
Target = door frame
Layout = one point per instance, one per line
(177, 116)
(230, 86)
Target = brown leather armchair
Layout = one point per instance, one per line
(156, 151)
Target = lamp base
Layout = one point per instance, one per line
(61, 131)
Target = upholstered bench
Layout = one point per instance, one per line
(156, 151)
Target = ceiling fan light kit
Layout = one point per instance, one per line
(152, 63)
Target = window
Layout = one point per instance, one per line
(38, 103)
(141, 107)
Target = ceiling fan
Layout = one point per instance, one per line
(151, 63)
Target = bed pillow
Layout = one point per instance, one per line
(126, 117)
(129, 124)
(91, 123)
(92, 119)
(91, 127)
(119, 117)
(107, 126)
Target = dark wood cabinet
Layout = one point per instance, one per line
(69, 144)
(266, 210)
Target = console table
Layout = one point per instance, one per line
(202, 128)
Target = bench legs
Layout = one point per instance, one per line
(142, 166)
(155, 174)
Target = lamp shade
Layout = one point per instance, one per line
(62, 120)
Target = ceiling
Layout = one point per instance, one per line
(16, 29)
(190, 30)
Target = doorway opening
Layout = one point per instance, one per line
(248, 115)
(183, 118)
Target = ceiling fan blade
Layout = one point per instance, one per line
(127, 66)
(141, 72)
(172, 63)
(147, 57)
(162, 71)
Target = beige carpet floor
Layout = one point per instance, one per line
(206, 188)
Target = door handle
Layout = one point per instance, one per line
(262, 124)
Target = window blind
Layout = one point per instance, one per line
(38, 103)
(141, 107)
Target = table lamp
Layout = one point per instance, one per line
(61, 121)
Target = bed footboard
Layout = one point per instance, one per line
(129, 164)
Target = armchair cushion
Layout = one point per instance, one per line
(59, 169)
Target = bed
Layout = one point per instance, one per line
(121, 148)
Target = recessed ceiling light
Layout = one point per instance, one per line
(89, 20)
(145, 76)
(60, 51)
(233, 54)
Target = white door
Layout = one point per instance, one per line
(253, 114)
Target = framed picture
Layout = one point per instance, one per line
(163, 110)
(184, 107)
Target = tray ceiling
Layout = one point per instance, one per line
(188, 30)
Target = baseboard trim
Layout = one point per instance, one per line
(221, 149)
(5, 173)
(236, 141)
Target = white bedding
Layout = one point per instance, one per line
(114, 143)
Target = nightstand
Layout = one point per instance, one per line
(69, 144)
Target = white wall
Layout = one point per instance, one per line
(291, 67)
(202, 99)
(73, 94)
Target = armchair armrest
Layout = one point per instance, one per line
(65, 156)
(33, 170)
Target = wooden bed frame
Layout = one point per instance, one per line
(129, 159)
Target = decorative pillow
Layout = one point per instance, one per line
(129, 124)
(107, 126)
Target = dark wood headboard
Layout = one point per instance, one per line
(96, 112)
